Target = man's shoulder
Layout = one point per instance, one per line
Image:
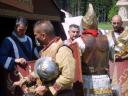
(7, 39)
(28, 37)
(64, 48)
(109, 34)
(104, 31)
(67, 42)
(102, 42)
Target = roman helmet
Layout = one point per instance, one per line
(89, 21)
(46, 69)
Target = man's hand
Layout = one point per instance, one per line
(40, 90)
(21, 61)
(32, 77)
(25, 89)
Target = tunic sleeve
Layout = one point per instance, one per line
(66, 63)
(6, 60)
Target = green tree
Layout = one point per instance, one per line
(113, 11)
(84, 5)
(75, 7)
(78, 7)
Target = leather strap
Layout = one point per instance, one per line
(114, 38)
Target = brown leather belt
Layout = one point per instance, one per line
(97, 71)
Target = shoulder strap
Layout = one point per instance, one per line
(114, 38)
(65, 46)
(25, 50)
(16, 52)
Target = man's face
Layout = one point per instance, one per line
(39, 35)
(116, 23)
(74, 33)
(21, 30)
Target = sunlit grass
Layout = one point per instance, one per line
(105, 25)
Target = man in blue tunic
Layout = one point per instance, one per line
(16, 49)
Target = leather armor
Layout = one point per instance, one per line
(96, 55)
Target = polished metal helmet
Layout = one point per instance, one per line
(46, 69)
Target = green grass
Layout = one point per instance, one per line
(105, 25)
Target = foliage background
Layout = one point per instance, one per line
(105, 9)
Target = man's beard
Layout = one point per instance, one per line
(37, 42)
(116, 29)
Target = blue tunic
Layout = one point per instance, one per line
(10, 50)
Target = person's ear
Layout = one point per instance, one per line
(15, 27)
(68, 32)
(43, 36)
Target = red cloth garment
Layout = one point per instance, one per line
(90, 31)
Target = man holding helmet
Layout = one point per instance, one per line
(46, 69)
(62, 55)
